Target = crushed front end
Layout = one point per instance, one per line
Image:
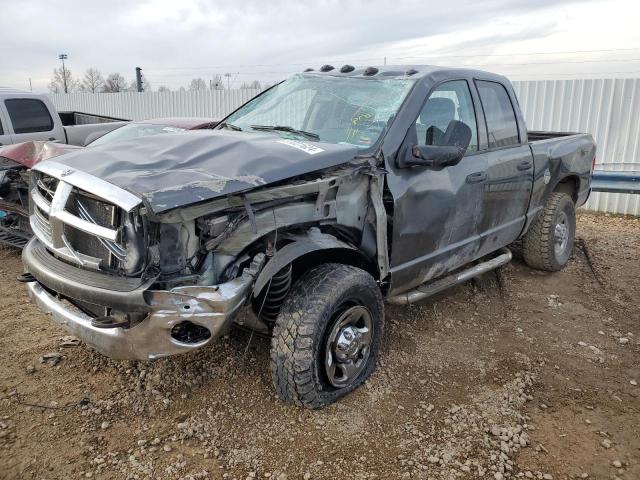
(136, 284)
(94, 265)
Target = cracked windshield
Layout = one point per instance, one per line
(329, 109)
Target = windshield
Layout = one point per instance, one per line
(329, 109)
(134, 130)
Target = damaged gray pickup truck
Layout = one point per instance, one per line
(299, 215)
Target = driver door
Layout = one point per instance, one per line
(437, 211)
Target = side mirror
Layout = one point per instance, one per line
(452, 148)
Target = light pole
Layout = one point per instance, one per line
(139, 79)
(63, 57)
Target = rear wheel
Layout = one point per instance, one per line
(549, 241)
(327, 336)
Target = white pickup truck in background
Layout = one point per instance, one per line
(26, 116)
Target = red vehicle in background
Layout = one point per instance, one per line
(17, 159)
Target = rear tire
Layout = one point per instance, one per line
(327, 336)
(548, 243)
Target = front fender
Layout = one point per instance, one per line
(313, 241)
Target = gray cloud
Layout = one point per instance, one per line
(175, 41)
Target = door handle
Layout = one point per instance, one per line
(477, 177)
(51, 139)
(525, 165)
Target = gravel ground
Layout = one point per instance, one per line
(520, 374)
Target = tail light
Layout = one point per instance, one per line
(593, 164)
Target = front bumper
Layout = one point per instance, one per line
(213, 307)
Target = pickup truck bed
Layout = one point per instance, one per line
(567, 156)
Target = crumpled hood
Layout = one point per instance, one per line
(30, 153)
(170, 171)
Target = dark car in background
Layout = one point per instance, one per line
(17, 159)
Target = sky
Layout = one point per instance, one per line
(175, 41)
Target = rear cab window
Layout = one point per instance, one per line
(502, 127)
(28, 115)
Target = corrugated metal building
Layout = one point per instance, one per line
(609, 109)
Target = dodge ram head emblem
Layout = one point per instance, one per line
(67, 172)
(547, 176)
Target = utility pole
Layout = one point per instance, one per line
(385, 60)
(62, 57)
(228, 75)
(139, 79)
(30, 86)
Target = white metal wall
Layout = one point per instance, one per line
(140, 106)
(609, 109)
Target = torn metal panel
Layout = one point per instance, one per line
(268, 220)
(281, 192)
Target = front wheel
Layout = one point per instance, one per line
(327, 336)
(548, 243)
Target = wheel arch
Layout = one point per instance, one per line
(310, 250)
(570, 185)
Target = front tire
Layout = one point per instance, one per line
(548, 243)
(327, 336)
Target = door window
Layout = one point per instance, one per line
(450, 101)
(502, 128)
(28, 115)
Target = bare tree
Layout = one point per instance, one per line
(163, 88)
(115, 83)
(92, 81)
(58, 81)
(254, 85)
(198, 84)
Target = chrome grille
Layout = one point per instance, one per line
(75, 225)
(104, 214)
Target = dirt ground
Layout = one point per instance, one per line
(521, 374)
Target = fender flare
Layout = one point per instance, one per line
(302, 245)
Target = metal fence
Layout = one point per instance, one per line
(609, 109)
(139, 106)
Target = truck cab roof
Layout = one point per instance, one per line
(380, 72)
(15, 91)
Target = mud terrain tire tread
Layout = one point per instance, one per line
(299, 332)
(538, 243)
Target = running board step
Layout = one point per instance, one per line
(431, 288)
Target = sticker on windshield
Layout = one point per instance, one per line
(304, 146)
